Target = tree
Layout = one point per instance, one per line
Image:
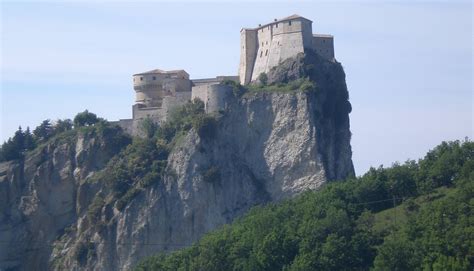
(14, 148)
(263, 78)
(44, 131)
(149, 127)
(62, 126)
(396, 253)
(85, 118)
(29, 142)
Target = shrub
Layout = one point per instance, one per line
(205, 126)
(263, 79)
(95, 209)
(149, 127)
(237, 89)
(85, 118)
(307, 86)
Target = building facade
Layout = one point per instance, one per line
(266, 46)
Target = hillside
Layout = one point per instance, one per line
(414, 216)
(83, 195)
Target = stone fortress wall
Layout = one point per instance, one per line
(267, 46)
(158, 92)
(213, 92)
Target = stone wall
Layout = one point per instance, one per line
(324, 45)
(150, 87)
(248, 52)
(267, 46)
(215, 96)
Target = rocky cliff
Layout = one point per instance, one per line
(269, 144)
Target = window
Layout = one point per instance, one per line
(154, 77)
(266, 52)
(266, 42)
(262, 43)
(289, 22)
(141, 78)
(276, 25)
(261, 53)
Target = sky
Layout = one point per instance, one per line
(408, 64)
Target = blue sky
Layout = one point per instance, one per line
(408, 64)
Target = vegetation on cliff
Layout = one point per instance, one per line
(143, 162)
(411, 216)
(23, 141)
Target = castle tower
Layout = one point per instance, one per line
(152, 86)
(267, 46)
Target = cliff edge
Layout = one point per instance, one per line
(65, 207)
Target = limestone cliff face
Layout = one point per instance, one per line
(39, 197)
(267, 146)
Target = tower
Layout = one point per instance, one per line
(268, 45)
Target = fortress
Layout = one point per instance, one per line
(266, 46)
(158, 92)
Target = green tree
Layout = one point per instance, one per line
(149, 127)
(85, 118)
(397, 254)
(44, 131)
(62, 126)
(29, 143)
(263, 79)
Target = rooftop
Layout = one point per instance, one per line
(292, 17)
(158, 71)
(323, 36)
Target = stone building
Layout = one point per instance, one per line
(268, 45)
(158, 91)
(213, 92)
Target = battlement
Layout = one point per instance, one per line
(267, 46)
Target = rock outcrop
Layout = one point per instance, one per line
(267, 146)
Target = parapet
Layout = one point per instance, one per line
(216, 80)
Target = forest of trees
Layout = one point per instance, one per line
(15, 147)
(412, 216)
